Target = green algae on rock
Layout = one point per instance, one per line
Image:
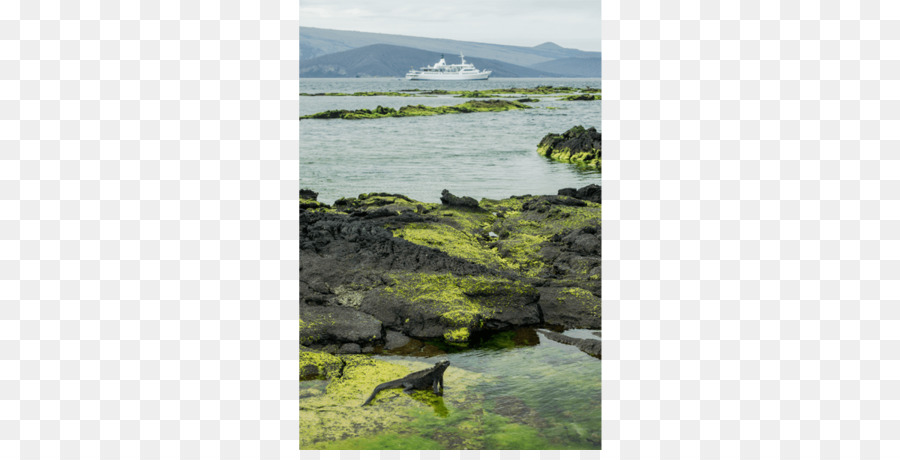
(337, 324)
(333, 419)
(318, 365)
(454, 241)
(571, 307)
(577, 145)
(335, 414)
(491, 105)
(453, 307)
(581, 97)
(309, 200)
(384, 262)
(457, 336)
(499, 234)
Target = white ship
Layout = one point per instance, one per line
(443, 71)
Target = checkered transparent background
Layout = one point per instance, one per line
(751, 230)
(148, 245)
(148, 239)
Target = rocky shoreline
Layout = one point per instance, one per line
(380, 271)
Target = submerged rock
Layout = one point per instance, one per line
(516, 409)
(394, 340)
(589, 346)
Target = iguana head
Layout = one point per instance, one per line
(441, 365)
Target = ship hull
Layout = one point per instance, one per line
(449, 76)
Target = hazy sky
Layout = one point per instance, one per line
(568, 23)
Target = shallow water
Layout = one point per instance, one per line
(489, 154)
(541, 396)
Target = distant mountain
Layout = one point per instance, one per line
(394, 61)
(576, 67)
(549, 46)
(315, 42)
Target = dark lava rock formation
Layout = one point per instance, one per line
(577, 145)
(589, 193)
(382, 269)
(449, 199)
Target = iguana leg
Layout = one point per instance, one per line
(407, 388)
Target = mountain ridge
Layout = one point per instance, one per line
(383, 60)
(315, 42)
(576, 67)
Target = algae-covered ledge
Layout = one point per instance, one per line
(456, 271)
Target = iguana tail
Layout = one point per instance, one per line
(384, 386)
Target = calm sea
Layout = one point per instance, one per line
(490, 154)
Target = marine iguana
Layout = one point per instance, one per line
(421, 380)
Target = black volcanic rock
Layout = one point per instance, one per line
(308, 194)
(450, 199)
(577, 145)
(457, 270)
(338, 325)
(588, 193)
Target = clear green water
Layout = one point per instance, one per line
(483, 155)
(541, 396)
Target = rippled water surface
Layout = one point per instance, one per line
(548, 386)
(489, 154)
